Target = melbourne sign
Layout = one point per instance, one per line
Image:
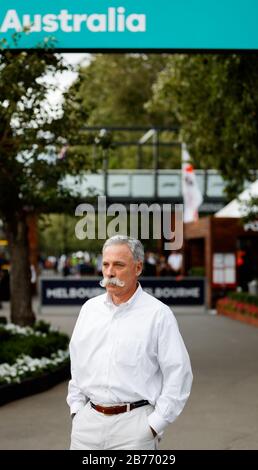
(130, 24)
(189, 291)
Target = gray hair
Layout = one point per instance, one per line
(136, 247)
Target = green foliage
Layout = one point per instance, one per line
(112, 91)
(42, 326)
(4, 334)
(243, 297)
(57, 236)
(197, 271)
(215, 100)
(32, 132)
(250, 208)
(114, 88)
(12, 346)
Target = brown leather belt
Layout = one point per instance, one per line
(116, 409)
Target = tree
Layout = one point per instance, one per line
(113, 90)
(57, 236)
(215, 100)
(31, 135)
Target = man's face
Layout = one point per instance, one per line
(118, 262)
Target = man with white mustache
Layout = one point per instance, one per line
(130, 371)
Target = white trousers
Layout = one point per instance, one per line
(92, 430)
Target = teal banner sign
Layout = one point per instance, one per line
(130, 24)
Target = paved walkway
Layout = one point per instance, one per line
(222, 412)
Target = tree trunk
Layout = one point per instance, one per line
(20, 272)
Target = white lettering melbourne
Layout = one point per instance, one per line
(113, 21)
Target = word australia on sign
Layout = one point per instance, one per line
(114, 20)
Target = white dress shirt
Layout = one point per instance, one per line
(130, 352)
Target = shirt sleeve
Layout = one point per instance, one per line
(76, 399)
(176, 370)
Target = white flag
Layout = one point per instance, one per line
(191, 193)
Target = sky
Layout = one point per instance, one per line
(74, 59)
(65, 79)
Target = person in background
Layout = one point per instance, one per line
(150, 266)
(175, 262)
(99, 264)
(163, 267)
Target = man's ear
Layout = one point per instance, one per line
(139, 268)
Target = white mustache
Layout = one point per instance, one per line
(111, 280)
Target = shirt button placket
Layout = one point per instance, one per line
(112, 335)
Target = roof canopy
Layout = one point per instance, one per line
(238, 207)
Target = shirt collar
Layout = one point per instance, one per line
(108, 301)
